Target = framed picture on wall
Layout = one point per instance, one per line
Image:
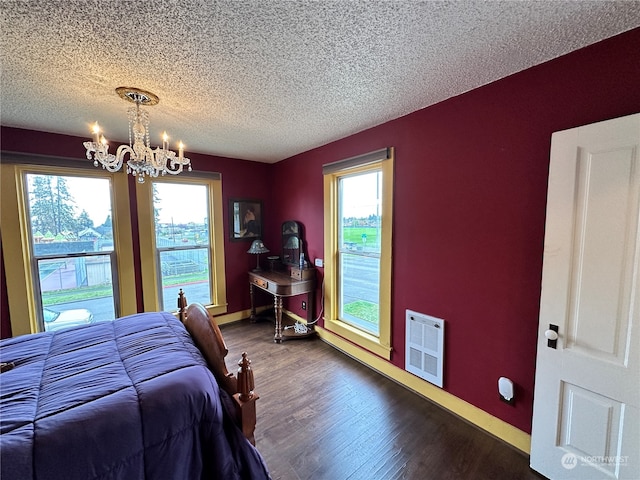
(245, 219)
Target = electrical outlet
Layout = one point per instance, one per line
(304, 305)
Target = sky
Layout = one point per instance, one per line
(92, 195)
(360, 195)
(182, 203)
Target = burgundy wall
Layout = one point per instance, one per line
(469, 209)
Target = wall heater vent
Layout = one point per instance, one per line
(425, 347)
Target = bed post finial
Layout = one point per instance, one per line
(245, 378)
(182, 306)
(246, 398)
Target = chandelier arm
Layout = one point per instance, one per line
(122, 151)
(159, 157)
(176, 165)
(176, 171)
(102, 156)
(90, 149)
(112, 164)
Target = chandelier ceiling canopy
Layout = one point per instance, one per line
(142, 160)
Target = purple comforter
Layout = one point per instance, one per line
(128, 399)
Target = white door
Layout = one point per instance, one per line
(586, 418)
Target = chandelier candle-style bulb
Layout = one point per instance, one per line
(142, 159)
(96, 132)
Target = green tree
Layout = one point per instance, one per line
(84, 221)
(107, 227)
(52, 205)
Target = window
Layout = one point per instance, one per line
(74, 261)
(358, 249)
(182, 243)
(358, 209)
(65, 224)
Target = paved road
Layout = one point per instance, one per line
(103, 309)
(361, 278)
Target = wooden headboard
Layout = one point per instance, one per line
(208, 338)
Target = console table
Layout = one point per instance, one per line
(284, 284)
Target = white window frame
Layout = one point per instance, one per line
(380, 160)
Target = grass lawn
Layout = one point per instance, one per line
(363, 310)
(55, 297)
(171, 280)
(354, 235)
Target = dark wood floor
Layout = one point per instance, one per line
(323, 415)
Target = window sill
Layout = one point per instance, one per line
(362, 339)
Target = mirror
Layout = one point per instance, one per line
(291, 243)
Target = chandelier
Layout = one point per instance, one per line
(142, 159)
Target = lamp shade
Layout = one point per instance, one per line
(257, 247)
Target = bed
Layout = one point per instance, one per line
(147, 396)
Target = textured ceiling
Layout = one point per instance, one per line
(267, 79)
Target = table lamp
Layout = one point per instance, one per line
(257, 247)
